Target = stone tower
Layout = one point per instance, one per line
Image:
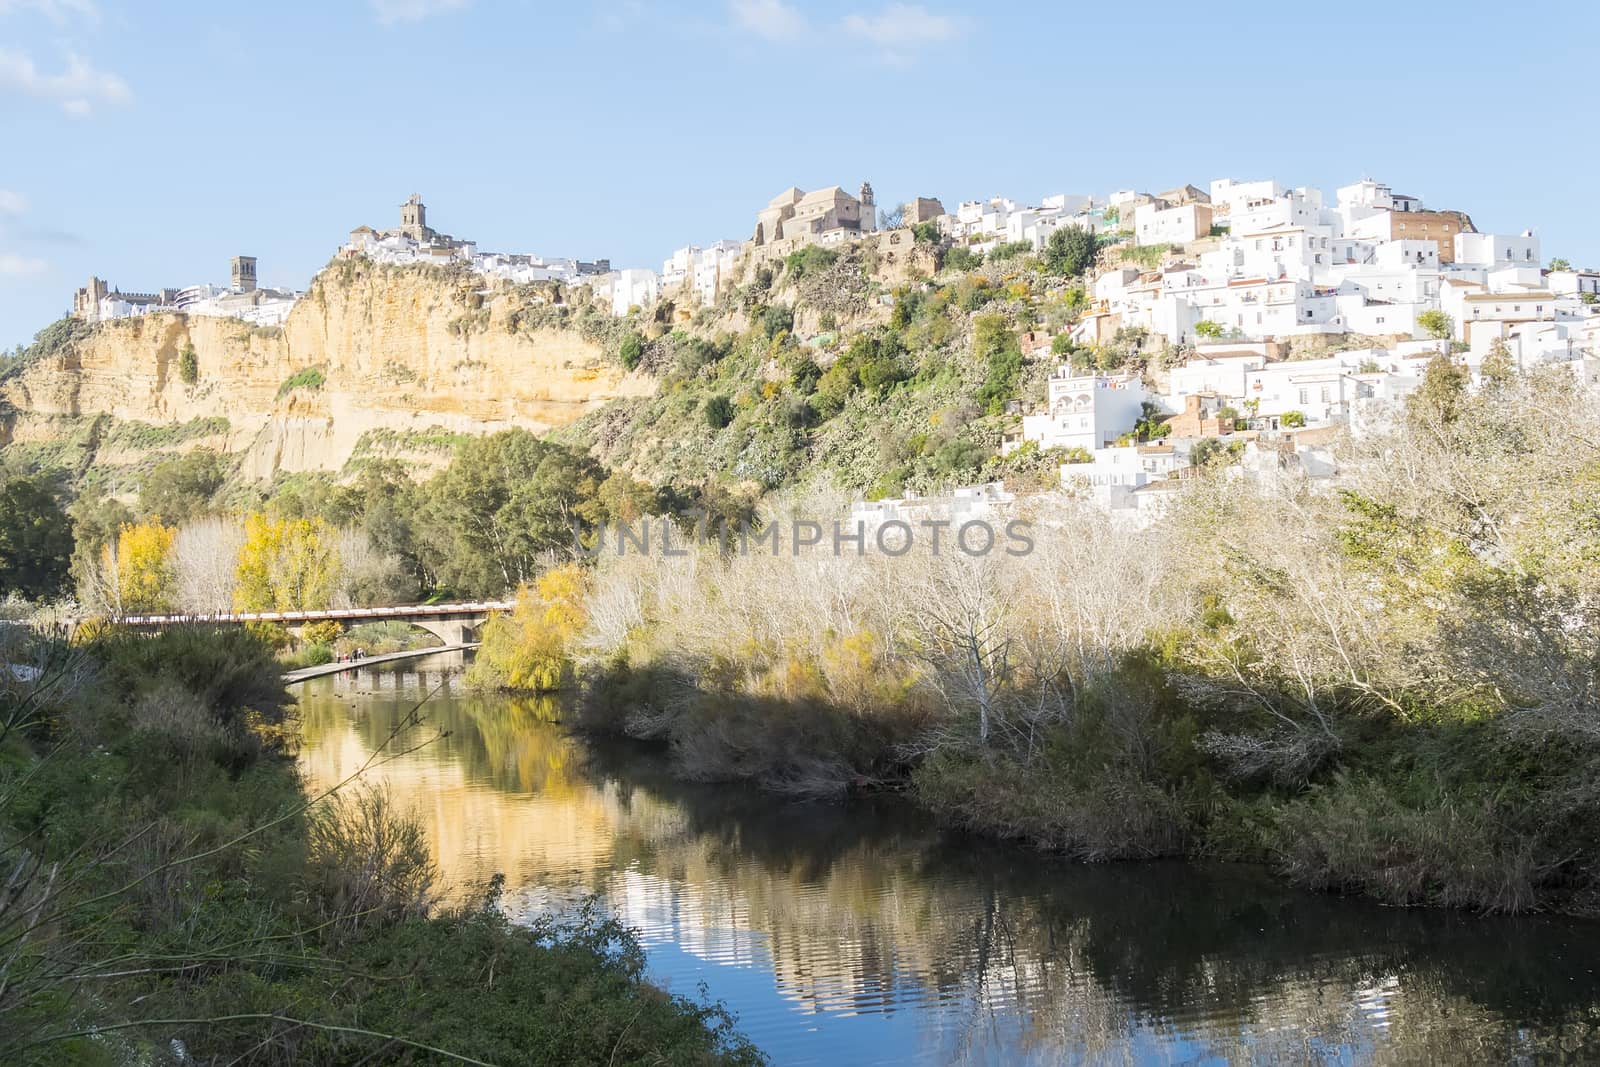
(414, 218)
(244, 274)
(86, 301)
(869, 209)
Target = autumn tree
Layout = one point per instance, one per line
(1436, 324)
(527, 648)
(137, 569)
(287, 565)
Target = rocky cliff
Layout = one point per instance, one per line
(373, 348)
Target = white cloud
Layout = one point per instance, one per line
(76, 90)
(390, 12)
(18, 265)
(772, 19)
(12, 203)
(61, 12)
(900, 30)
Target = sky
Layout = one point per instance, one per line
(148, 143)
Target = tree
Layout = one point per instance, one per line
(527, 648)
(1436, 324)
(1439, 396)
(188, 365)
(287, 565)
(36, 539)
(892, 220)
(1208, 329)
(1069, 251)
(1292, 420)
(505, 500)
(205, 564)
(138, 568)
(179, 489)
(1498, 368)
(1560, 264)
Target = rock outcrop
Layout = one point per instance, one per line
(396, 349)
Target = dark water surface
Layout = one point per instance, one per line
(863, 933)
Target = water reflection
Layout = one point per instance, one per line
(864, 934)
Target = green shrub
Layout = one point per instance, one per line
(718, 411)
(309, 378)
(962, 258)
(807, 261)
(188, 365)
(631, 350)
(1354, 834)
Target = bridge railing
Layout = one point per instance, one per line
(398, 612)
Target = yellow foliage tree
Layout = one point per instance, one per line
(140, 566)
(287, 565)
(526, 649)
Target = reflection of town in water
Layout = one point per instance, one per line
(862, 933)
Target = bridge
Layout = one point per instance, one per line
(454, 624)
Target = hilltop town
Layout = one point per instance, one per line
(1262, 319)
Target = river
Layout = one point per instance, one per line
(863, 933)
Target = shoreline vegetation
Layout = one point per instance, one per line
(174, 895)
(1389, 690)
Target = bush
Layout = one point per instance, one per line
(309, 378)
(807, 261)
(631, 350)
(1292, 420)
(366, 863)
(1009, 250)
(188, 365)
(1354, 834)
(962, 258)
(718, 411)
(230, 676)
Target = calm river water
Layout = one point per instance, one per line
(864, 934)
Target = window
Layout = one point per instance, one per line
(1305, 396)
(1325, 394)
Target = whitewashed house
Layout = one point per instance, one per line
(1086, 411)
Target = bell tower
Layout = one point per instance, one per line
(244, 274)
(414, 218)
(869, 209)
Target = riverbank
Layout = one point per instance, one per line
(1452, 811)
(175, 891)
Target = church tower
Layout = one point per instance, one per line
(414, 218)
(869, 209)
(244, 274)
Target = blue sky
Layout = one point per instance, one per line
(148, 143)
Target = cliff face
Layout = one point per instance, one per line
(398, 350)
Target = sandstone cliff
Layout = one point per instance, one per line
(397, 349)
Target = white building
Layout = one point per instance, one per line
(1156, 223)
(633, 287)
(1087, 411)
(1497, 249)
